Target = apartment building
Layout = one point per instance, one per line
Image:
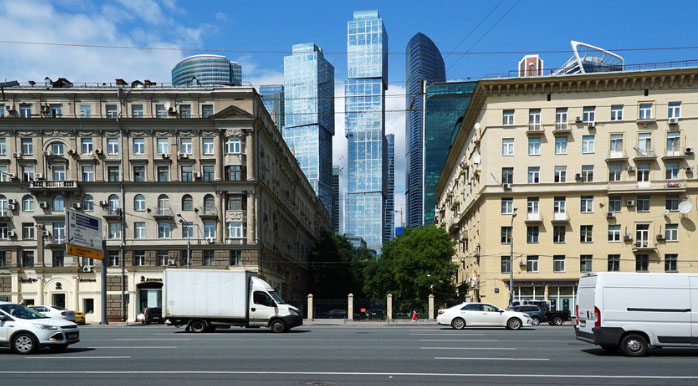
(582, 173)
(181, 177)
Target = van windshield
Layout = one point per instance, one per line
(276, 297)
(19, 311)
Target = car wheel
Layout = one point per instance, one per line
(24, 344)
(514, 324)
(198, 326)
(557, 321)
(535, 321)
(58, 347)
(278, 326)
(458, 323)
(634, 345)
(610, 347)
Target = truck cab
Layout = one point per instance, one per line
(267, 308)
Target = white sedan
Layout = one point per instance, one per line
(482, 314)
(55, 312)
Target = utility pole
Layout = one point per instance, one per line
(511, 260)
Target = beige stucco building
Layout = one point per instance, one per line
(599, 169)
(172, 172)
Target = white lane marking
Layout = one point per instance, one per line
(132, 339)
(458, 340)
(132, 347)
(442, 334)
(76, 357)
(448, 375)
(467, 348)
(494, 359)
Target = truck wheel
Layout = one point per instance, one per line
(634, 345)
(198, 326)
(278, 326)
(611, 348)
(458, 323)
(24, 344)
(514, 324)
(536, 321)
(557, 321)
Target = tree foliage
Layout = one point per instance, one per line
(336, 267)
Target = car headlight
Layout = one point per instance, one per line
(292, 312)
(46, 327)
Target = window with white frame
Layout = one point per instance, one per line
(27, 203)
(533, 174)
(112, 111)
(616, 146)
(613, 263)
(235, 230)
(139, 230)
(163, 146)
(614, 233)
(507, 175)
(645, 111)
(671, 262)
(644, 143)
(234, 145)
(643, 172)
(508, 117)
(185, 111)
(185, 146)
(160, 111)
(587, 173)
(163, 230)
(209, 229)
(589, 114)
(559, 205)
(561, 145)
(586, 233)
(86, 146)
(559, 263)
(532, 263)
(206, 111)
(559, 233)
(139, 146)
(671, 232)
(112, 146)
(674, 110)
(507, 146)
(187, 230)
(114, 230)
(139, 258)
(643, 203)
(507, 205)
(27, 146)
(673, 143)
(585, 263)
(208, 146)
(56, 148)
(58, 172)
(617, 112)
(3, 146)
(534, 146)
(505, 237)
(560, 174)
(85, 111)
(672, 202)
(672, 170)
(534, 119)
(587, 144)
(587, 204)
(136, 111)
(532, 207)
(532, 233)
(614, 204)
(561, 117)
(139, 203)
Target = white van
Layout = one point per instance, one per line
(635, 311)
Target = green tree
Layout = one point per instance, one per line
(410, 265)
(336, 267)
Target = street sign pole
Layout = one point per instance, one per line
(104, 284)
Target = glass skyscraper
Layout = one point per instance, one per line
(309, 109)
(424, 63)
(336, 171)
(367, 69)
(206, 70)
(389, 225)
(445, 106)
(273, 99)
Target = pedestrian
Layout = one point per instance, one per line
(414, 315)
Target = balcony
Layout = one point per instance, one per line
(560, 218)
(643, 245)
(5, 214)
(112, 213)
(644, 154)
(674, 154)
(35, 186)
(561, 128)
(208, 213)
(535, 129)
(236, 241)
(533, 218)
(163, 214)
(674, 185)
(55, 241)
(616, 156)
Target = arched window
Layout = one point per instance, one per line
(187, 203)
(88, 203)
(139, 203)
(163, 201)
(3, 205)
(58, 203)
(28, 203)
(209, 203)
(114, 202)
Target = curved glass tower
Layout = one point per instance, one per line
(206, 70)
(424, 63)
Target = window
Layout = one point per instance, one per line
(643, 172)
(27, 203)
(613, 263)
(532, 263)
(533, 174)
(163, 230)
(28, 231)
(507, 205)
(114, 230)
(136, 111)
(672, 202)
(163, 204)
(586, 233)
(532, 207)
(534, 119)
(25, 111)
(587, 204)
(670, 260)
(163, 257)
(208, 173)
(187, 174)
(505, 265)
(185, 111)
(614, 233)
(616, 146)
(58, 203)
(58, 172)
(234, 145)
(209, 203)
(206, 111)
(508, 117)
(112, 146)
(672, 170)
(114, 203)
(209, 229)
(589, 114)
(507, 146)
(560, 174)
(645, 111)
(113, 173)
(139, 230)
(559, 263)
(139, 146)
(27, 258)
(88, 203)
(643, 203)
(587, 144)
(112, 111)
(139, 203)
(559, 234)
(614, 172)
(3, 257)
(671, 232)
(27, 146)
(187, 203)
(85, 111)
(614, 203)
(58, 232)
(587, 173)
(139, 174)
(617, 112)
(585, 263)
(235, 173)
(642, 263)
(532, 234)
(208, 258)
(56, 148)
(561, 117)
(235, 230)
(235, 257)
(559, 206)
(163, 146)
(534, 146)
(507, 175)
(86, 146)
(185, 146)
(644, 144)
(506, 235)
(3, 174)
(163, 173)
(561, 145)
(160, 111)
(673, 144)
(236, 202)
(3, 145)
(674, 110)
(208, 146)
(187, 230)
(27, 173)
(139, 258)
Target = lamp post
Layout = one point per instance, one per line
(511, 259)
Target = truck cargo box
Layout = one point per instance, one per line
(206, 293)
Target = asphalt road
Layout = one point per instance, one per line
(339, 355)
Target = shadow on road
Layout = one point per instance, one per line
(653, 352)
(46, 350)
(241, 331)
(486, 329)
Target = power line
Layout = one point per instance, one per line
(474, 28)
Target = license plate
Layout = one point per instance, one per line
(72, 335)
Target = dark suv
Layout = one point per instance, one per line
(376, 312)
(153, 315)
(535, 312)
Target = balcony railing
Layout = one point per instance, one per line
(560, 217)
(562, 126)
(534, 128)
(674, 153)
(53, 185)
(534, 217)
(208, 212)
(645, 153)
(616, 155)
(642, 244)
(162, 212)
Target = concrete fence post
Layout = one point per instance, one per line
(350, 307)
(431, 307)
(310, 307)
(389, 308)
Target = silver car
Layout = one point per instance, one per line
(55, 312)
(25, 331)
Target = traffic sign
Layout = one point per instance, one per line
(83, 235)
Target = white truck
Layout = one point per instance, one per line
(635, 311)
(205, 299)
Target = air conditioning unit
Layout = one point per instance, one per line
(210, 240)
(522, 263)
(660, 237)
(17, 155)
(578, 120)
(628, 237)
(506, 186)
(197, 175)
(673, 121)
(46, 233)
(578, 176)
(11, 234)
(102, 203)
(38, 176)
(45, 109)
(591, 124)
(11, 176)
(171, 263)
(630, 203)
(185, 156)
(689, 169)
(43, 205)
(689, 150)
(98, 151)
(77, 205)
(71, 152)
(631, 168)
(12, 201)
(172, 110)
(164, 156)
(610, 215)
(87, 268)
(11, 206)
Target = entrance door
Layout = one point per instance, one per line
(262, 308)
(58, 300)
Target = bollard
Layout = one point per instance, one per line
(431, 307)
(310, 306)
(389, 308)
(350, 307)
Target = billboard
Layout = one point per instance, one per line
(83, 235)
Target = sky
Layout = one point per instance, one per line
(478, 27)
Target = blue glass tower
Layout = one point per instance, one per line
(309, 109)
(389, 225)
(273, 99)
(367, 69)
(206, 70)
(424, 64)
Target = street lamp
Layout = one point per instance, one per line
(511, 260)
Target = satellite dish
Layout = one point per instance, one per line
(476, 159)
(685, 206)
(167, 105)
(477, 126)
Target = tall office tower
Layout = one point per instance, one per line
(336, 171)
(389, 225)
(273, 98)
(424, 65)
(367, 70)
(309, 109)
(206, 70)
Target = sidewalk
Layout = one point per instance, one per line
(331, 322)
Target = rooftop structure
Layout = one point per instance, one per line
(587, 58)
